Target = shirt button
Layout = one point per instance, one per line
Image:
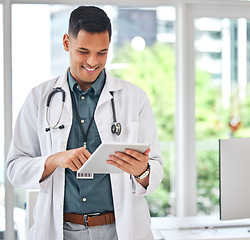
(82, 121)
(58, 206)
(84, 199)
(82, 97)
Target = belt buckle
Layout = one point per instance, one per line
(85, 220)
(85, 217)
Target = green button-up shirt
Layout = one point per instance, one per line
(83, 196)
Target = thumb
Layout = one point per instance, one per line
(147, 152)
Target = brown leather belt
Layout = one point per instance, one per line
(90, 220)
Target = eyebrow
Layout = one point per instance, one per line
(85, 49)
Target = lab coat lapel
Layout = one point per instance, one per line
(111, 85)
(103, 113)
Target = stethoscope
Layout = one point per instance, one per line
(55, 90)
(115, 128)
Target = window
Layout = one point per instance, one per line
(222, 97)
(30, 49)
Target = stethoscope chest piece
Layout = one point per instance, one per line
(116, 128)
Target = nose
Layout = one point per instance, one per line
(92, 60)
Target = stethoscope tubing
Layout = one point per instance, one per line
(59, 119)
(115, 128)
(55, 90)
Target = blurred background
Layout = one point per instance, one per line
(204, 61)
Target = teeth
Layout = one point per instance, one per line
(91, 70)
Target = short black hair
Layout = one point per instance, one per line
(89, 18)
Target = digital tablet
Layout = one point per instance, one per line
(97, 163)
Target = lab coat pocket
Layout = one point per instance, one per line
(129, 132)
(40, 214)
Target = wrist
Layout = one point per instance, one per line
(144, 174)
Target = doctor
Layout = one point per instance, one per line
(46, 154)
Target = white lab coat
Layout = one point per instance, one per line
(31, 145)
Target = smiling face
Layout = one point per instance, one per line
(88, 55)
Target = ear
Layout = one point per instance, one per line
(66, 42)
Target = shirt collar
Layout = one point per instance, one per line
(96, 87)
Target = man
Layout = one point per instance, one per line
(46, 156)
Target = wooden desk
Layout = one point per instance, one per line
(173, 228)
